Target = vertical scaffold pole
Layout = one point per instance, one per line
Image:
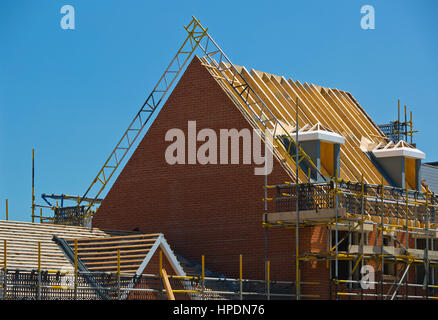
(426, 255)
(432, 275)
(5, 268)
(405, 126)
(118, 274)
(268, 281)
(39, 272)
(7, 213)
(398, 121)
(362, 211)
(336, 236)
(297, 236)
(33, 185)
(76, 271)
(416, 193)
(266, 206)
(411, 125)
(161, 261)
(161, 274)
(203, 277)
(241, 277)
(407, 237)
(381, 242)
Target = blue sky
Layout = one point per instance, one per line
(70, 94)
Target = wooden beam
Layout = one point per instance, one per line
(167, 286)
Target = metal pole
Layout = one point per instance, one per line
(411, 126)
(336, 236)
(426, 255)
(398, 121)
(400, 282)
(76, 271)
(297, 238)
(268, 281)
(3, 283)
(381, 241)
(7, 214)
(5, 254)
(33, 185)
(161, 274)
(362, 210)
(39, 272)
(266, 204)
(405, 127)
(118, 274)
(5, 269)
(203, 277)
(407, 236)
(240, 277)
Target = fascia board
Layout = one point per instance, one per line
(320, 135)
(400, 152)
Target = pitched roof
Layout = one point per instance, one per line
(23, 238)
(336, 110)
(100, 254)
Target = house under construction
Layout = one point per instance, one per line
(345, 201)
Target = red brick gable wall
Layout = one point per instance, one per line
(215, 210)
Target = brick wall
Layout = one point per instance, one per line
(215, 210)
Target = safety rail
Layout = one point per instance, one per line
(16, 284)
(75, 216)
(397, 203)
(351, 289)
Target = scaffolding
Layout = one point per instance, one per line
(396, 218)
(401, 223)
(398, 130)
(82, 284)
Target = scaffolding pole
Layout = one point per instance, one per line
(390, 210)
(297, 237)
(33, 185)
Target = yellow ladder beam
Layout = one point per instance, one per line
(195, 34)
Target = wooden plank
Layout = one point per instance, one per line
(289, 103)
(86, 259)
(254, 85)
(167, 286)
(152, 235)
(48, 227)
(360, 161)
(284, 112)
(325, 118)
(367, 168)
(103, 244)
(113, 262)
(114, 267)
(290, 216)
(113, 252)
(241, 106)
(115, 247)
(249, 115)
(255, 107)
(370, 131)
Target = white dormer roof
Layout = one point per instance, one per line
(401, 149)
(317, 132)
